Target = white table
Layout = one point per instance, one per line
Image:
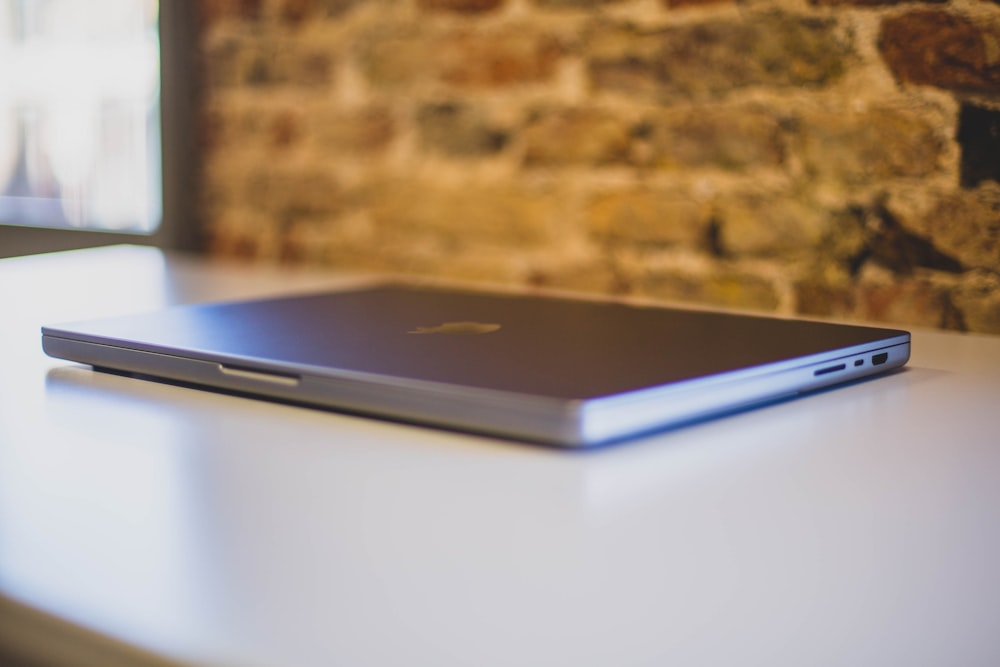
(145, 523)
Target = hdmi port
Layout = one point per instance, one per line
(880, 358)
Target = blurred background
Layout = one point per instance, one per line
(836, 158)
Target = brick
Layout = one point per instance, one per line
(451, 219)
(224, 62)
(228, 128)
(237, 243)
(595, 276)
(460, 6)
(843, 248)
(740, 289)
(918, 300)
(296, 11)
(729, 138)
(314, 69)
(284, 62)
(222, 127)
(301, 12)
(647, 218)
(899, 249)
(769, 225)
(938, 48)
(464, 58)
(459, 131)
(580, 136)
(857, 148)
(978, 299)
(356, 132)
(575, 4)
(912, 301)
(337, 8)
(722, 285)
(821, 297)
(240, 60)
(868, 3)
(965, 226)
(710, 59)
(287, 194)
(213, 11)
(397, 55)
(885, 238)
(502, 58)
(285, 129)
(253, 235)
(624, 59)
(673, 4)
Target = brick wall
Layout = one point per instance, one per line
(827, 157)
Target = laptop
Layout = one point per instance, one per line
(553, 369)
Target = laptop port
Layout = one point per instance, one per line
(831, 369)
(880, 358)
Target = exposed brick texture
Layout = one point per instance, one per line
(460, 6)
(576, 136)
(963, 225)
(647, 218)
(219, 10)
(710, 59)
(731, 138)
(941, 48)
(765, 225)
(869, 3)
(877, 143)
(459, 131)
(410, 56)
(835, 158)
(691, 3)
(575, 4)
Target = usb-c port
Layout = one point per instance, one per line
(880, 358)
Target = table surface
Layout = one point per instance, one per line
(146, 523)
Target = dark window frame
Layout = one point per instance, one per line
(179, 88)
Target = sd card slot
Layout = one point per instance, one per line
(830, 369)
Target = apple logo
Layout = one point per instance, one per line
(458, 328)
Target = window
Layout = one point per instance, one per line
(82, 121)
(79, 120)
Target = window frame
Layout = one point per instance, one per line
(179, 87)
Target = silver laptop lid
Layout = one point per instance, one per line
(556, 349)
